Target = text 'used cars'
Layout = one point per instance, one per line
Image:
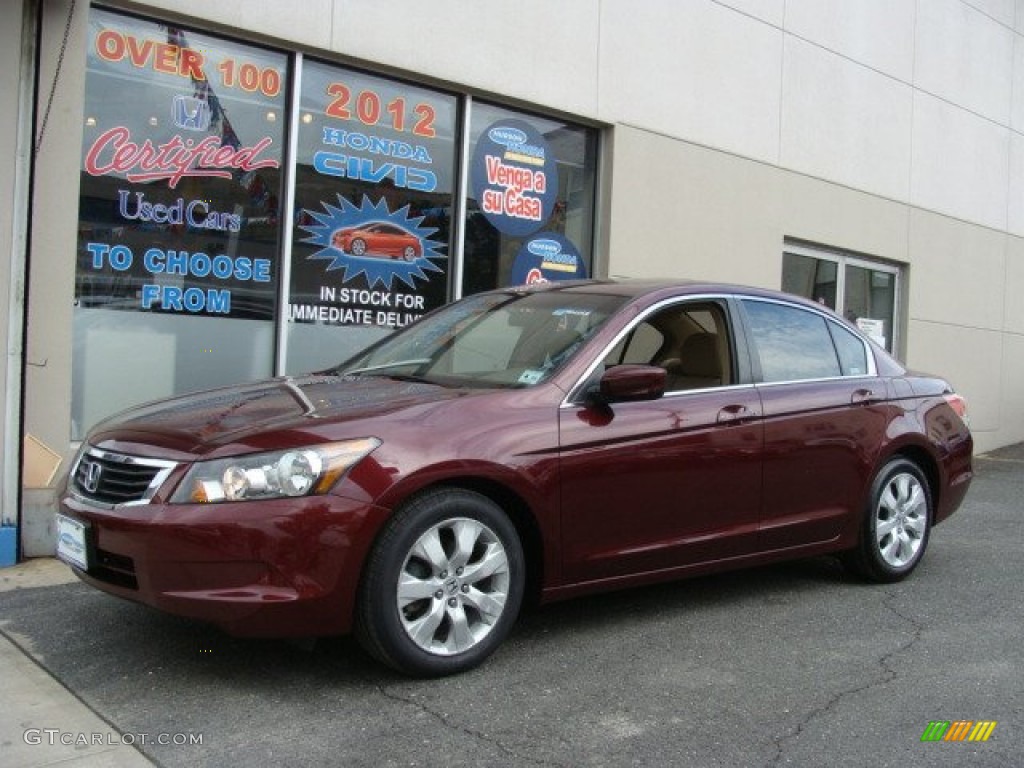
(540, 443)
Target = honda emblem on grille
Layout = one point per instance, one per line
(91, 475)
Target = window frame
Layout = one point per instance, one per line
(843, 259)
(736, 332)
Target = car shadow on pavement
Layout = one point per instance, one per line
(87, 638)
(76, 631)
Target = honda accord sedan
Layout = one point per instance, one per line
(524, 444)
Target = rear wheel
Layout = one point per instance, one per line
(443, 585)
(894, 534)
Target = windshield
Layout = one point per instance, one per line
(508, 339)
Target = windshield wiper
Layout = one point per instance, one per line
(385, 366)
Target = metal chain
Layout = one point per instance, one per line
(56, 75)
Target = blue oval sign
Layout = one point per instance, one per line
(544, 247)
(547, 258)
(514, 177)
(510, 137)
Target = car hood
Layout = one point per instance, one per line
(201, 422)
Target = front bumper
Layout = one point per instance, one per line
(277, 568)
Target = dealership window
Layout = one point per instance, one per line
(177, 263)
(530, 199)
(374, 179)
(865, 292)
(246, 212)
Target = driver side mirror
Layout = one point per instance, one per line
(625, 383)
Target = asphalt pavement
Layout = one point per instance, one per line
(791, 665)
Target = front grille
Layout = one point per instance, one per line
(116, 478)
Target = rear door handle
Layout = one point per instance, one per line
(734, 414)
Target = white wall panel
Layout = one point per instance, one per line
(1011, 429)
(1017, 107)
(965, 57)
(877, 33)
(1015, 201)
(720, 222)
(1013, 288)
(694, 70)
(535, 50)
(844, 122)
(1003, 11)
(960, 163)
(770, 11)
(308, 24)
(957, 272)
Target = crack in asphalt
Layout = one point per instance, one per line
(518, 758)
(889, 674)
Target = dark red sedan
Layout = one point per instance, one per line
(546, 442)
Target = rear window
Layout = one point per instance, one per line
(791, 343)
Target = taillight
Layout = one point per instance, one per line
(959, 406)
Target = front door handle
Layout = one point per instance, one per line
(864, 397)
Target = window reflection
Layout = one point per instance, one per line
(793, 344)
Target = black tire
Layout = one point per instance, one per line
(409, 253)
(358, 247)
(443, 585)
(896, 525)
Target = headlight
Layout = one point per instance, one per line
(297, 472)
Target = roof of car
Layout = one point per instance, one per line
(636, 287)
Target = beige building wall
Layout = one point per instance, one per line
(891, 128)
(53, 246)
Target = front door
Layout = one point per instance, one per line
(663, 484)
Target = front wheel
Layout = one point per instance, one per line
(894, 534)
(442, 586)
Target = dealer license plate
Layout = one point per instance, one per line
(71, 542)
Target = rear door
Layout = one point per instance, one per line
(825, 414)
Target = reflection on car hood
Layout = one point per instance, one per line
(220, 416)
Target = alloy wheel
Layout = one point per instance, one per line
(453, 586)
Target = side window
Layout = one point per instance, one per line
(791, 343)
(689, 340)
(639, 347)
(853, 357)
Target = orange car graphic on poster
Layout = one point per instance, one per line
(378, 239)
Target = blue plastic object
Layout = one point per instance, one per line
(8, 545)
